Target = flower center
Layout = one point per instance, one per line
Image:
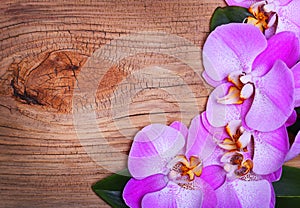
(241, 89)
(184, 170)
(238, 139)
(238, 165)
(264, 15)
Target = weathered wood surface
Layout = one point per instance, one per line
(68, 114)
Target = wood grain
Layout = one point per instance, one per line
(68, 115)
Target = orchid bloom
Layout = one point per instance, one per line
(295, 149)
(171, 167)
(266, 151)
(272, 16)
(251, 75)
(252, 161)
(296, 73)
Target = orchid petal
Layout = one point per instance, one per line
(275, 176)
(199, 142)
(232, 47)
(245, 139)
(242, 3)
(232, 127)
(283, 46)
(173, 196)
(218, 114)
(274, 92)
(296, 74)
(284, 2)
(210, 81)
(295, 148)
(270, 150)
(288, 18)
(153, 147)
(135, 190)
(247, 91)
(214, 175)
(292, 119)
(181, 127)
(246, 194)
(227, 197)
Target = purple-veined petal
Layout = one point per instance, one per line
(292, 119)
(295, 148)
(135, 190)
(199, 142)
(210, 81)
(273, 100)
(219, 114)
(227, 197)
(242, 3)
(218, 133)
(232, 47)
(246, 194)
(296, 74)
(214, 175)
(153, 147)
(283, 2)
(181, 127)
(270, 149)
(288, 18)
(283, 46)
(173, 196)
(273, 176)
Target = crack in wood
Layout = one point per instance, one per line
(24, 96)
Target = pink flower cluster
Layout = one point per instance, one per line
(231, 153)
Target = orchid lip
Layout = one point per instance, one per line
(264, 15)
(183, 170)
(238, 139)
(241, 90)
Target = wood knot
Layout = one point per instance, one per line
(50, 81)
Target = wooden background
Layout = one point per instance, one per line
(53, 145)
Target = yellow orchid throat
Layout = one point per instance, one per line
(241, 89)
(264, 18)
(191, 168)
(184, 169)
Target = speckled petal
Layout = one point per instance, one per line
(274, 92)
(199, 142)
(173, 196)
(231, 47)
(245, 194)
(270, 149)
(135, 190)
(218, 114)
(296, 74)
(153, 147)
(295, 148)
(283, 46)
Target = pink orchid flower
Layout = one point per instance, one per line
(252, 161)
(295, 149)
(296, 73)
(251, 75)
(272, 16)
(265, 151)
(171, 167)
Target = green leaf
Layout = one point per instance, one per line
(287, 189)
(110, 188)
(289, 184)
(283, 202)
(229, 14)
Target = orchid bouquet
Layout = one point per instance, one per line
(232, 154)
